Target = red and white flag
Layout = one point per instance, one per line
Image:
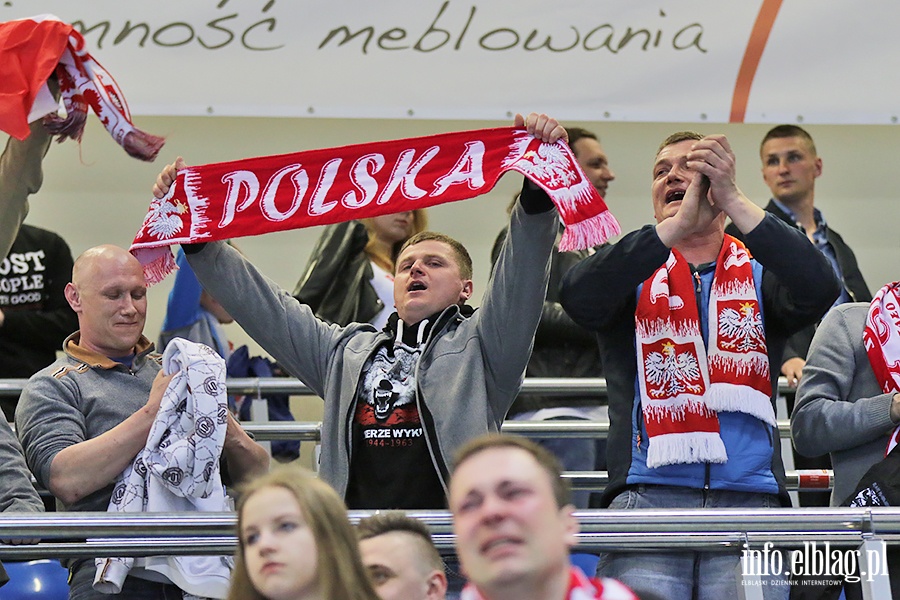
(31, 50)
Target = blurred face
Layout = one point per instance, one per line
(279, 548)
(395, 567)
(590, 155)
(508, 527)
(427, 281)
(109, 295)
(671, 178)
(790, 168)
(393, 228)
(215, 309)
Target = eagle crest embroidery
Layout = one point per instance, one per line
(672, 372)
(741, 330)
(164, 219)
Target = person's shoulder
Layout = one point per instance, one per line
(57, 371)
(849, 318)
(26, 230)
(851, 310)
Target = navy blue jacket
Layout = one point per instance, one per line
(796, 286)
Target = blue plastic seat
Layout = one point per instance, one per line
(586, 562)
(42, 579)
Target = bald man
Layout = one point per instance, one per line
(83, 419)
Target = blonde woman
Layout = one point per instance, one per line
(295, 542)
(349, 277)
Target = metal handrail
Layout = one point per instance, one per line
(547, 386)
(801, 480)
(308, 431)
(168, 534)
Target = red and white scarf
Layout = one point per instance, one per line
(581, 587)
(30, 51)
(681, 386)
(318, 187)
(881, 338)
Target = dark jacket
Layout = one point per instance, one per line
(336, 284)
(562, 348)
(796, 286)
(798, 344)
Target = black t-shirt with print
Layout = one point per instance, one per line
(390, 464)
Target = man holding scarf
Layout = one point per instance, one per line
(692, 324)
(398, 402)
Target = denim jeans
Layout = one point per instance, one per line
(81, 581)
(685, 575)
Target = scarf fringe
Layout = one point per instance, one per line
(70, 127)
(142, 145)
(590, 232)
(692, 447)
(729, 397)
(157, 262)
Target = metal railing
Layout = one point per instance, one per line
(73, 535)
(310, 431)
(547, 386)
(85, 534)
(801, 480)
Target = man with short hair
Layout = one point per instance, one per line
(401, 558)
(591, 157)
(83, 419)
(692, 324)
(515, 526)
(790, 167)
(398, 402)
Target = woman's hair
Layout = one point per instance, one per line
(376, 253)
(339, 569)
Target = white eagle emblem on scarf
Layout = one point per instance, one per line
(741, 330)
(672, 372)
(164, 220)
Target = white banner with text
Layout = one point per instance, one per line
(762, 61)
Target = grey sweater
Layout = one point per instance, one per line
(17, 494)
(78, 398)
(840, 408)
(469, 372)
